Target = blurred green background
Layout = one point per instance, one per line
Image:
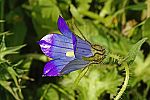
(115, 24)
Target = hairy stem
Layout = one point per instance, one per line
(124, 86)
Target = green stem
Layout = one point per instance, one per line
(2, 16)
(148, 8)
(124, 86)
(70, 97)
(80, 76)
(45, 92)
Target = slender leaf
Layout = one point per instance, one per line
(134, 51)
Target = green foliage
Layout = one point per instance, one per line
(146, 29)
(120, 26)
(19, 29)
(41, 12)
(134, 51)
(8, 71)
(47, 92)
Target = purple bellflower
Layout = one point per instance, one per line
(66, 50)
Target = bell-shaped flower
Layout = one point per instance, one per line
(66, 50)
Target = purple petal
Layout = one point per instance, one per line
(63, 27)
(74, 39)
(53, 67)
(74, 65)
(56, 45)
(83, 48)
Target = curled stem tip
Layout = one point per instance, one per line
(124, 86)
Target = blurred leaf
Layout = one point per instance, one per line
(134, 51)
(2, 44)
(83, 5)
(44, 16)
(61, 90)
(64, 6)
(10, 50)
(92, 15)
(137, 7)
(141, 71)
(1, 21)
(95, 83)
(103, 81)
(7, 50)
(14, 77)
(6, 85)
(92, 33)
(40, 57)
(6, 33)
(49, 93)
(28, 58)
(146, 29)
(3, 69)
(27, 63)
(18, 27)
(136, 31)
(13, 74)
(106, 9)
(76, 14)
